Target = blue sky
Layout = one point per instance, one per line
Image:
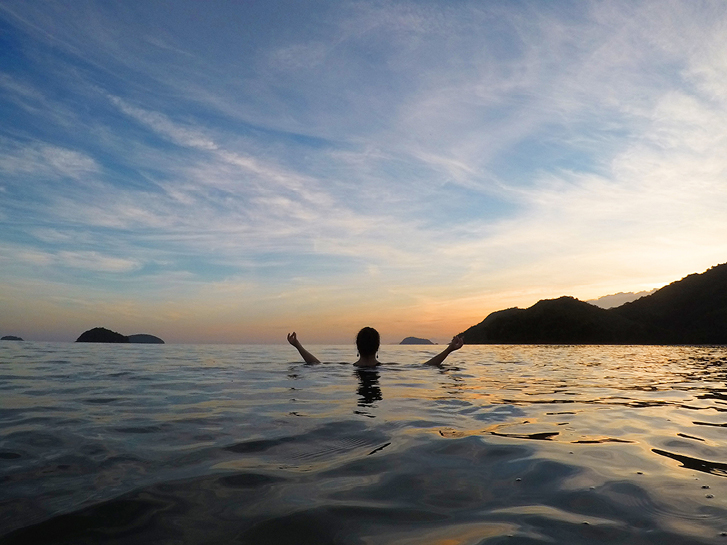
(231, 171)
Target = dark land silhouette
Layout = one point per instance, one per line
(10, 338)
(692, 310)
(103, 335)
(415, 340)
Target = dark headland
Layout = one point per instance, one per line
(692, 310)
(103, 335)
(415, 340)
(10, 338)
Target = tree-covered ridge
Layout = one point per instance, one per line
(690, 311)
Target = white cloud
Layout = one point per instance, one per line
(13, 255)
(43, 160)
(162, 125)
(95, 261)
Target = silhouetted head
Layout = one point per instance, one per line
(367, 341)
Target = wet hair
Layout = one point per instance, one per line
(368, 341)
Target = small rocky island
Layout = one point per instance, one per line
(415, 340)
(103, 335)
(10, 338)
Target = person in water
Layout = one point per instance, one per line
(367, 342)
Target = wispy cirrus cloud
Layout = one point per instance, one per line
(44, 161)
(162, 125)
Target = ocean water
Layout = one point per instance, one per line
(246, 444)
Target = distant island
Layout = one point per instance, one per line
(692, 310)
(618, 299)
(415, 340)
(10, 338)
(103, 335)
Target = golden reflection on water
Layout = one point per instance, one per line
(664, 405)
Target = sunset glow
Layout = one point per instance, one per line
(227, 172)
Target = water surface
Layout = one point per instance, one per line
(244, 444)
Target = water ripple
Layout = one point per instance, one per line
(517, 444)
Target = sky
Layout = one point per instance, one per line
(227, 172)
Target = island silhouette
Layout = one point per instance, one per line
(692, 310)
(103, 335)
(415, 340)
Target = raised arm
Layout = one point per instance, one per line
(307, 356)
(455, 344)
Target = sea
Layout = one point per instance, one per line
(178, 444)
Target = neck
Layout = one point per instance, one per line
(367, 361)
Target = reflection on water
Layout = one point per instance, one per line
(368, 390)
(715, 468)
(505, 444)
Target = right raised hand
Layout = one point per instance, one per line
(292, 339)
(456, 343)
